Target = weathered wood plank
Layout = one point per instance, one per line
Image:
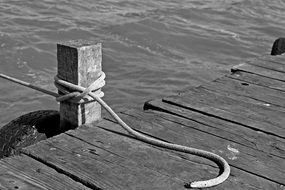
(224, 129)
(166, 170)
(277, 59)
(216, 105)
(259, 71)
(23, 172)
(268, 63)
(145, 155)
(170, 167)
(248, 92)
(96, 165)
(241, 158)
(258, 80)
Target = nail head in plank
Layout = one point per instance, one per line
(258, 80)
(238, 156)
(233, 182)
(216, 105)
(247, 92)
(221, 128)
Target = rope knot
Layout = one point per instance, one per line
(78, 94)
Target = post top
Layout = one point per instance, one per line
(79, 43)
(80, 63)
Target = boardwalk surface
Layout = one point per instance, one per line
(240, 116)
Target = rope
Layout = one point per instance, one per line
(78, 94)
(75, 96)
(65, 87)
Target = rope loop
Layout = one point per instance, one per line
(75, 93)
(78, 94)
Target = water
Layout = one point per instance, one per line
(150, 48)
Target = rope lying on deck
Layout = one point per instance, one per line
(75, 93)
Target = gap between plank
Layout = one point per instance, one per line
(149, 106)
(61, 171)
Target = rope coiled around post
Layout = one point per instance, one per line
(78, 92)
(75, 93)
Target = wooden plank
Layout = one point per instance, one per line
(268, 63)
(117, 149)
(244, 161)
(248, 92)
(260, 141)
(241, 158)
(258, 80)
(22, 172)
(260, 71)
(277, 59)
(251, 115)
(148, 156)
(95, 164)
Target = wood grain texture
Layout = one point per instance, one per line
(25, 173)
(280, 59)
(260, 141)
(269, 63)
(248, 92)
(240, 117)
(238, 156)
(79, 62)
(250, 68)
(254, 116)
(101, 159)
(104, 156)
(258, 80)
(151, 124)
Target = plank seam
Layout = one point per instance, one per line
(219, 117)
(170, 151)
(222, 137)
(241, 95)
(273, 61)
(80, 139)
(61, 171)
(178, 115)
(233, 70)
(152, 146)
(281, 184)
(258, 175)
(246, 171)
(260, 66)
(258, 84)
(21, 174)
(202, 123)
(149, 106)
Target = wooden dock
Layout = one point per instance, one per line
(240, 116)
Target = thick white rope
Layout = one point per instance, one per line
(80, 92)
(65, 88)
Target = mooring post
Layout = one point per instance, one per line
(79, 62)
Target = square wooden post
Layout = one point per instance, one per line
(80, 63)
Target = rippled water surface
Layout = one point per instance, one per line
(151, 48)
